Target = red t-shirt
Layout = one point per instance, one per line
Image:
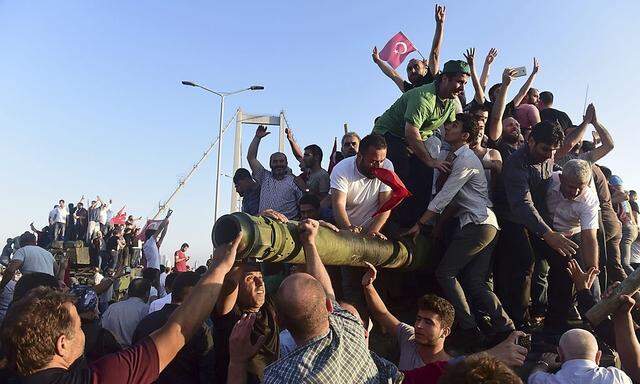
(429, 374)
(136, 365)
(181, 266)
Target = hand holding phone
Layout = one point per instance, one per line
(520, 71)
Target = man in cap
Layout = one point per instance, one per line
(411, 120)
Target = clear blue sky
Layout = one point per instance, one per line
(91, 101)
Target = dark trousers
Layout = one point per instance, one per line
(58, 231)
(560, 291)
(417, 177)
(514, 259)
(613, 236)
(464, 274)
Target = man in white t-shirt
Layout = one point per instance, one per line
(356, 195)
(60, 214)
(151, 249)
(572, 207)
(29, 258)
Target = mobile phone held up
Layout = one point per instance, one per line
(520, 71)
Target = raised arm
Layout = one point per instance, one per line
(479, 92)
(387, 70)
(626, 339)
(607, 141)
(162, 229)
(486, 69)
(494, 130)
(190, 315)
(229, 293)
(525, 87)
(434, 56)
(377, 309)
(308, 231)
(577, 134)
(81, 200)
(295, 148)
(252, 152)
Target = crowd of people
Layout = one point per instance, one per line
(528, 231)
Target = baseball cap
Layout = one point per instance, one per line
(615, 180)
(456, 66)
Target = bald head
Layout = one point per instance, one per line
(578, 344)
(302, 307)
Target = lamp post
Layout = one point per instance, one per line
(219, 157)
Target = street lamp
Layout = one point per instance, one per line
(222, 96)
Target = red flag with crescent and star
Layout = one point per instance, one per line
(396, 50)
(398, 190)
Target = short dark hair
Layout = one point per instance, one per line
(606, 172)
(150, 274)
(201, 270)
(548, 133)
(33, 280)
(633, 193)
(477, 107)
(183, 281)
(27, 238)
(494, 88)
(309, 198)
(139, 288)
(469, 125)
(316, 151)
(168, 282)
(373, 140)
(242, 174)
(439, 306)
(32, 327)
(546, 97)
(482, 369)
(182, 246)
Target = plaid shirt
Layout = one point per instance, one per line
(341, 356)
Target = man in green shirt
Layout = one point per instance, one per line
(411, 120)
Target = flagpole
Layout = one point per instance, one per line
(420, 53)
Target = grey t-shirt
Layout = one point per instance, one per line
(35, 259)
(409, 357)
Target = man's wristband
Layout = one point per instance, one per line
(541, 363)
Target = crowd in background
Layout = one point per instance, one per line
(528, 231)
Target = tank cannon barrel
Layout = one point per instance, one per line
(272, 241)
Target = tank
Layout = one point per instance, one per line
(269, 240)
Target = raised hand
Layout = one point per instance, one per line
(370, 276)
(440, 13)
(491, 56)
(582, 280)
(289, 134)
(536, 66)
(469, 56)
(225, 255)
(590, 114)
(375, 56)
(241, 350)
(308, 230)
(508, 75)
(261, 131)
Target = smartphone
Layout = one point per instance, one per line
(520, 71)
(524, 341)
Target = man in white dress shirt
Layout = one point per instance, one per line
(467, 260)
(580, 357)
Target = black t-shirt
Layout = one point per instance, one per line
(192, 364)
(427, 79)
(555, 116)
(112, 244)
(265, 324)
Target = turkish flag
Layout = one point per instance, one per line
(398, 191)
(332, 158)
(396, 50)
(120, 217)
